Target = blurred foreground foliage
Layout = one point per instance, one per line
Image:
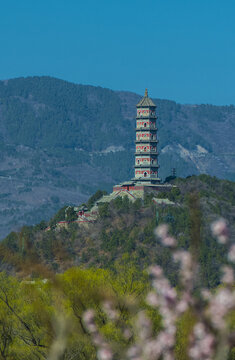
(31, 311)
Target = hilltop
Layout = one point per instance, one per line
(123, 228)
(60, 142)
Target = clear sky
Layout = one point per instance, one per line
(182, 50)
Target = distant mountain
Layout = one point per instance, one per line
(60, 142)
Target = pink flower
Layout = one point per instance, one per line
(228, 277)
(206, 294)
(144, 325)
(104, 354)
(152, 299)
(219, 306)
(207, 344)
(220, 230)
(155, 271)
(109, 310)
(184, 257)
(152, 349)
(182, 306)
(97, 339)
(127, 334)
(168, 356)
(89, 320)
(161, 231)
(231, 254)
(169, 241)
(133, 352)
(170, 295)
(199, 330)
(167, 340)
(194, 352)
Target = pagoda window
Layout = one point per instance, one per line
(145, 124)
(145, 148)
(145, 174)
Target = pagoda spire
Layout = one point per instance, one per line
(146, 93)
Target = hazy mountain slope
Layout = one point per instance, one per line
(59, 142)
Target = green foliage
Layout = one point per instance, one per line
(33, 313)
(60, 216)
(184, 329)
(114, 253)
(92, 200)
(70, 214)
(104, 210)
(124, 227)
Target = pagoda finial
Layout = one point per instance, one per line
(146, 93)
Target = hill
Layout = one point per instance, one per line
(127, 228)
(60, 142)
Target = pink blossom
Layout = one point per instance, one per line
(231, 254)
(109, 310)
(89, 320)
(155, 271)
(221, 303)
(199, 330)
(133, 352)
(144, 325)
(220, 230)
(228, 277)
(170, 295)
(194, 352)
(169, 241)
(152, 349)
(104, 354)
(167, 340)
(152, 299)
(168, 356)
(184, 257)
(207, 345)
(161, 231)
(206, 294)
(171, 305)
(182, 306)
(98, 340)
(127, 334)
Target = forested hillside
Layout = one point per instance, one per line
(80, 292)
(60, 142)
(127, 228)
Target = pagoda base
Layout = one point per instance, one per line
(145, 180)
(135, 189)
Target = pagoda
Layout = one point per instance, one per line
(146, 178)
(146, 155)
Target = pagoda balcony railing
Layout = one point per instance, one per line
(146, 140)
(146, 117)
(146, 152)
(146, 128)
(146, 165)
(149, 177)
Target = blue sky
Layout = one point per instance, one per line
(182, 50)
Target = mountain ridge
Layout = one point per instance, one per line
(61, 141)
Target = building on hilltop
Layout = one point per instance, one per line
(146, 154)
(146, 177)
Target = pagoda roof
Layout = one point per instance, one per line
(145, 101)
